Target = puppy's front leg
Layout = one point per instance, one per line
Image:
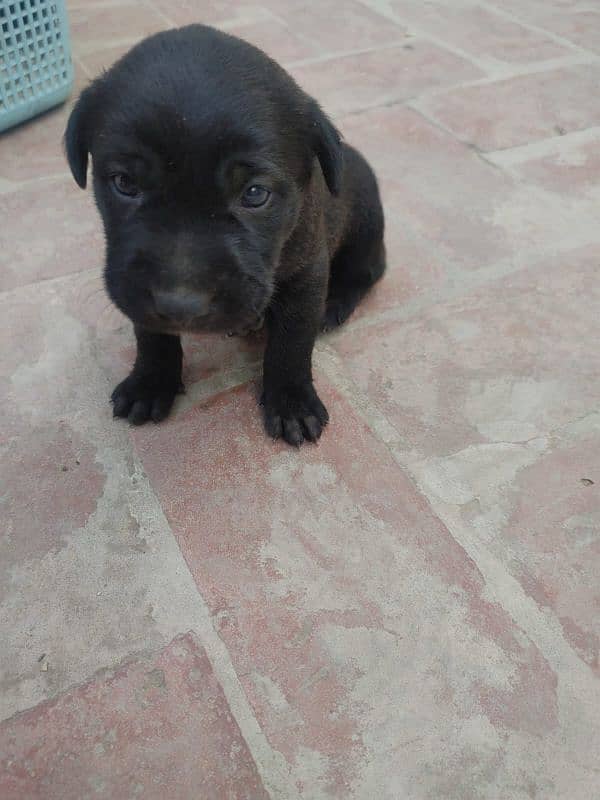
(150, 389)
(292, 407)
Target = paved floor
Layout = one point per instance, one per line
(408, 610)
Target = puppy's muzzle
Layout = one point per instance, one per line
(182, 308)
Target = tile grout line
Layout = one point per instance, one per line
(50, 280)
(416, 31)
(562, 40)
(495, 69)
(413, 104)
(506, 159)
(304, 38)
(464, 283)
(270, 764)
(341, 54)
(83, 68)
(415, 101)
(160, 13)
(224, 24)
(526, 70)
(541, 148)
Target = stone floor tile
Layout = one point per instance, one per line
(471, 212)
(277, 39)
(257, 26)
(50, 228)
(434, 184)
(387, 75)
(103, 58)
(154, 727)
(413, 268)
(515, 111)
(212, 12)
(553, 545)
(95, 27)
(569, 166)
(508, 362)
(336, 28)
(536, 11)
(580, 27)
(479, 31)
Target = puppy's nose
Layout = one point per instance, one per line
(182, 306)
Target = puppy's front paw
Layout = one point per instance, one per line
(294, 413)
(144, 397)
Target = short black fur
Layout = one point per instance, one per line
(227, 198)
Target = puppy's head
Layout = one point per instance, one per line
(202, 150)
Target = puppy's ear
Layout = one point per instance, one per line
(77, 135)
(327, 145)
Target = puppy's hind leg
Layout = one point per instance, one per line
(355, 268)
(360, 259)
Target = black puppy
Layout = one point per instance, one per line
(227, 196)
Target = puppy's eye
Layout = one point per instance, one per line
(255, 196)
(125, 185)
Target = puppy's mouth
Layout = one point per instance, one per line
(178, 311)
(252, 327)
(215, 325)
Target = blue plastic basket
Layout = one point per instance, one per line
(36, 72)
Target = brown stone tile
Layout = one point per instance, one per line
(533, 503)
(580, 27)
(437, 186)
(328, 576)
(413, 268)
(335, 28)
(469, 211)
(277, 39)
(153, 726)
(253, 24)
(211, 12)
(97, 60)
(50, 228)
(519, 110)
(45, 325)
(96, 27)
(508, 362)
(571, 168)
(206, 356)
(552, 543)
(535, 11)
(479, 31)
(355, 82)
(51, 485)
